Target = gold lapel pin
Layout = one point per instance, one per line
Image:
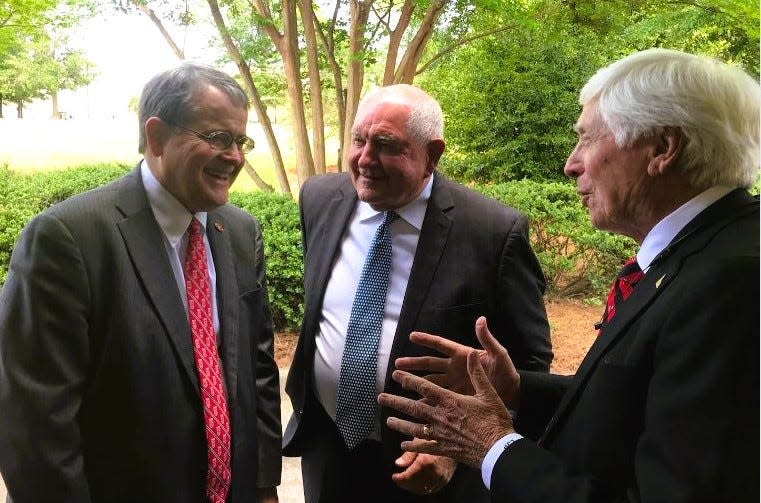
(219, 227)
(658, 281)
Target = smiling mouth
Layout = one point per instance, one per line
(370, 178)
(219, 175)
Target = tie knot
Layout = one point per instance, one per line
(194, 229)
(389, 216)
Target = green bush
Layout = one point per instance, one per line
(578, 260)
(24, 195)
(279, 216)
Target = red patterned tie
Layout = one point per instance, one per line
(622, 287)
(215, 412)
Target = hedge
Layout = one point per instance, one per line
(577, 260)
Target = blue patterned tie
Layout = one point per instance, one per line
(356, 400)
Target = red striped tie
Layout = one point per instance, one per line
(622, 287)
(215, 413)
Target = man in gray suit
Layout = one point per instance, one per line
(455, 255)
(136, 358)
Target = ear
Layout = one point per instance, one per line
(434, 150)
(668, 148)
(156, 134)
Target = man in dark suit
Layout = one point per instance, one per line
(665, 405)
(136, 358)
(455, 255)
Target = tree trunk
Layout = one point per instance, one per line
(405, 73)
(328, 42)
(395, 39)
(157, 22)
(257, 179)
(55, 114)
(287, 46)
(20, 109)
(315, 86)
(1, 106)
(259, 107)
(289, 51)
(360, 11)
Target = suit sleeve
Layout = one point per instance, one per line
(267, 385)
(44, 355)
(699, 437)
(522, 326)
(540, 395)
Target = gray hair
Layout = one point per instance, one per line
(172, 94)
(714, 104)
(426, 121)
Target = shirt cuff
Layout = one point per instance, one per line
(487, 465)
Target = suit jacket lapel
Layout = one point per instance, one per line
(430, 247)
(142, 237)
(664, 269)
(334, 216)
(227, 297)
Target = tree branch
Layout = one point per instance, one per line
(458, 43)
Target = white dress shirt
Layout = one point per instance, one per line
(654, 243)
(342, 285)
(173, 219)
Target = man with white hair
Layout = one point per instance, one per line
(436, 243)
(665, 406)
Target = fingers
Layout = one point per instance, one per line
(487, 340)
(409, 407)
(440, 344)
(425, 363)
(438, 379)
(420, 385)
(411, 429)
(406, 459)
(425, 475)
(478, 377)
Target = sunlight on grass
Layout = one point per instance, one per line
(28, 145)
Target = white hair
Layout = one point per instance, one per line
(426, 121)
(714, 104)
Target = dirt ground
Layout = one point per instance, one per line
(571, 324)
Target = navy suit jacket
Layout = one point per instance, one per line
(98, 389)
(665, 406)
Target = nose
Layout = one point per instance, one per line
(573, 165)
(233, 154)
(366, 155)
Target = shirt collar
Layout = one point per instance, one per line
(666, 230)
(413, 212)
(172, 216)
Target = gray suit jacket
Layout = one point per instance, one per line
(473, 258)
(99, 395)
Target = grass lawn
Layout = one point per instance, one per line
(28, 145)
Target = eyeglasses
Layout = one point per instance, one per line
(219, 140)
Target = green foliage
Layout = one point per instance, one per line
(578, 260)
(279, 217)
(512, 118)
(23, 196)
(35, 58)
(510, 95)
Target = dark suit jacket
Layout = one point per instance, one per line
(98, 390)
(473, 258)
(665, 406)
